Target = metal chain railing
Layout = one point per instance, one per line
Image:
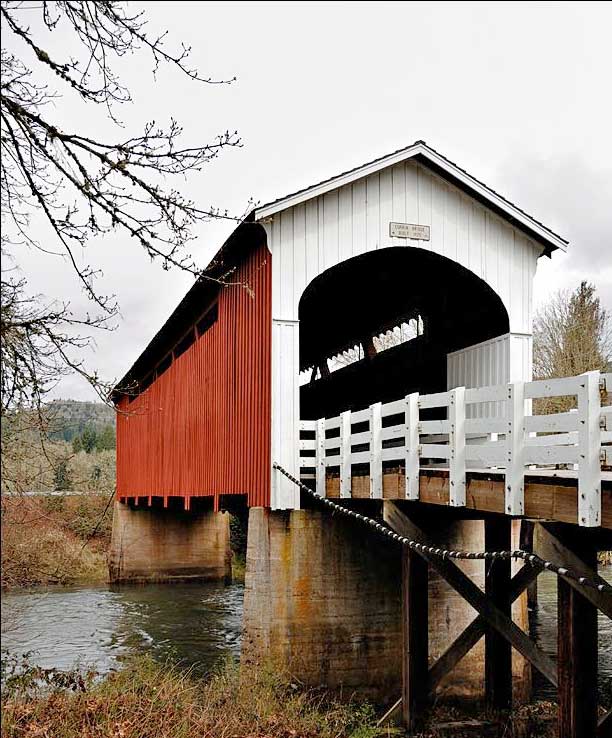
(443, 553)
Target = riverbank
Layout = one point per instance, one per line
(55, 540)
(146, 699)
(193, 626)
(64, 540)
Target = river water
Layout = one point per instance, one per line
(190, 625)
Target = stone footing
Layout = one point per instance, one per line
(157, 544)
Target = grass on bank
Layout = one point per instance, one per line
(149, 700)
(145, 699)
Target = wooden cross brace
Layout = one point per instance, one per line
(575, 719)
(489, 614)
(476, 629)
(548, 545)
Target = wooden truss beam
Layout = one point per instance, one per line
(476, 629)
(415, 636)
(498, 651)
(604, 726)
(526, 575)
(577, 629)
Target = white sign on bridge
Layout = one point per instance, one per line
(409, 230)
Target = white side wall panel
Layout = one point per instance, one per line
(497, 361)
(521, 357)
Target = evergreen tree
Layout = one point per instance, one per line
(77, 444)
(106, 439)
(89, 438)
(62, 479)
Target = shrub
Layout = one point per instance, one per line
(45, 540)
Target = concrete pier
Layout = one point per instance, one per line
(157, 544)
(323, 600)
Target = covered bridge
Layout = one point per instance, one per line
(369, 338)
(410, 239)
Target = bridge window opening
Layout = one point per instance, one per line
(163, 365)
(208, 320)
(401, 333)
(405, 331)
(184, 343)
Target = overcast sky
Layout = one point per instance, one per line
(517, 94)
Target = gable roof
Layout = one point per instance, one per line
(433, 160)
(249, 232)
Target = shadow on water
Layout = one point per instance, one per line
(192, 625)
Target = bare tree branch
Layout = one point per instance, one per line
(82, 186)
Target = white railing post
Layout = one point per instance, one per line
(456, 442)
(376, 480)
(515, 450)
(411, 443)
(589, 442)
(345, 454)
(320, 456)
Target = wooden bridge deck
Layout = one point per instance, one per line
(549, 494)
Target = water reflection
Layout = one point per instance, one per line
(543, 624)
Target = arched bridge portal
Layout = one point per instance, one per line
(442, 305)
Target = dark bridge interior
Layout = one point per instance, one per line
(370, 294)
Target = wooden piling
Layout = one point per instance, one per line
(498, 651)
(577, 657)
(415, 645)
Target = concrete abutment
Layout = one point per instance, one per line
(150, 544)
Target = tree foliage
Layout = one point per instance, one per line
(62, 478)
(91, 440)
(572, 334)
(81, 185)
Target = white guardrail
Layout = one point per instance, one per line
(516, 443)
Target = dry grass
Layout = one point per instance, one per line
(46, 540)
(147, 700)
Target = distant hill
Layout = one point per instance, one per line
(70, 418)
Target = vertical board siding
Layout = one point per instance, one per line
(203, 427)
(490, 363)
(354, 219)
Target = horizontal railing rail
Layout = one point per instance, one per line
(512, 443)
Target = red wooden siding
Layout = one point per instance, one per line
(203, 427)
